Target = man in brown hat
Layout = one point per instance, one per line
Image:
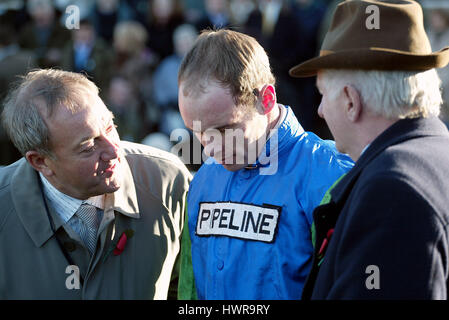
(382, 230)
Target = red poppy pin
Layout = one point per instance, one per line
(119, 246)
(324, 245)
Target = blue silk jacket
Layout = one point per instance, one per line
(250, 229)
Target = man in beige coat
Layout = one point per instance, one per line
(84, 215)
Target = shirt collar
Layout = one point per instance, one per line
(64, 205)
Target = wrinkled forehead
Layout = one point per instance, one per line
(69, 127)
(54, 97)
(92, 108)
(100, 112)
(86, 101)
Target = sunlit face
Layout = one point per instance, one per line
(86, 147)
(331, 109)
(233, 135)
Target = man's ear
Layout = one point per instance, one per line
(353, 103)
(39, 162)
(267, 97)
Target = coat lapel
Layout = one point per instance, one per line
(29, 203)
(124, 200)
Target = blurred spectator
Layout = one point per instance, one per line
(309, 14)
(16, 13)
(135, 62)
(165, 92)
(6, 5)
(240, 10)
(107, 13)
(164, 17)
(216, 15)
(105, 16)
(13, 60)
(165, 81)
(438, 32)
(13, 63)
(136, 10)
(89, 54)
(276, 28)
(43, 34)
(123, 101)
(267, 16)
(327, 18)
(129, 42)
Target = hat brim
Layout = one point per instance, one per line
(371, 59)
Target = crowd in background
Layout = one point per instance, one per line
(132, 50)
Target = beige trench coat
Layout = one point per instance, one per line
(151, 203)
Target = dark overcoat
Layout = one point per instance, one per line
(388, 220)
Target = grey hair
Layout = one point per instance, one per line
(34, 99)
(391, 94)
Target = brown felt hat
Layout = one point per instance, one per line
(399, 43)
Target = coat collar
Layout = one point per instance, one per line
(402, 130)
(28, 201)
(124, 200)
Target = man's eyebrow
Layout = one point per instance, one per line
(82, 141)
(87, 138)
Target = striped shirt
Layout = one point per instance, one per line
(66, 206)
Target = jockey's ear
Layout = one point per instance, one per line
(267, 99)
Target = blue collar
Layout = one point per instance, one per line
(279, 140)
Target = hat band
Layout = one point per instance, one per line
(325, 52)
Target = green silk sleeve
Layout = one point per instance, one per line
(326, 199)
(186, 284)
